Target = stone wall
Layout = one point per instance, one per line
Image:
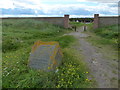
(61, 21)
(101, 21)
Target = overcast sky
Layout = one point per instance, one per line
(75, 8)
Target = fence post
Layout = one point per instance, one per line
(66, 21)
(96, 21)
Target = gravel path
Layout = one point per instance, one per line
(102, 69)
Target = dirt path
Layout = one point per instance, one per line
(102, 69)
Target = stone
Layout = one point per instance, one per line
(45, 56)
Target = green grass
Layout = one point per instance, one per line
(77, 24)
(106, 39)
(106, 36)
(18, 39)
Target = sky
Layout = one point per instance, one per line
(52, 8)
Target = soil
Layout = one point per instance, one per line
(104, 70)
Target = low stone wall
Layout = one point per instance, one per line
(101, 21)
(105, 21)
(61, 21)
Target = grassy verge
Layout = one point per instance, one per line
(108, 35)
(106, 38)
(18, 38)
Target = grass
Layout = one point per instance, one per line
(73, 72)
(106, 38)
(77, 24)
(18, 39)
(107, 35)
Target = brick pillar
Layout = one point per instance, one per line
(66, 21)
(96, 21)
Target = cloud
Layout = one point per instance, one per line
(68, 10)
(32, 7)
(20, 3)
(6, 4)
(17, 11)
(101, 1)
(59, 9)
(103, 7)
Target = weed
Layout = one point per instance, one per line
(18, 39)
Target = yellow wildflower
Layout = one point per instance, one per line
(48, 67)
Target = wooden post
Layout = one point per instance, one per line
(84, 28)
